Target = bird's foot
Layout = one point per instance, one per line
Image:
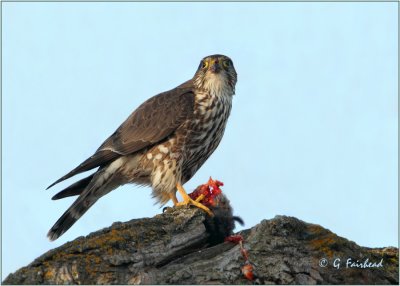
(189, 201)
(197, 204)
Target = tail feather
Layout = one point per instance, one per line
(100, 158)
(103, 182)
(73, 213)
(73, 190)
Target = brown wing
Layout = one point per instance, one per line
(151, 122)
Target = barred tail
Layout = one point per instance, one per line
(102, 183)
(74, 189)
(73, 213)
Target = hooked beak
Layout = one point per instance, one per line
(215, 67)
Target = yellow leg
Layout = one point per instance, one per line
(199, 198)
(173, 198)
(188, 201)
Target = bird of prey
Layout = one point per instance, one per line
(162, 144)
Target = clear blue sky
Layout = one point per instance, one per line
(313, 131)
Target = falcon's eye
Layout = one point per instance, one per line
(204, 64)
(226, 63)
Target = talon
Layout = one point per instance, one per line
(188, 201)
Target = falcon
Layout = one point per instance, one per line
(162, 144)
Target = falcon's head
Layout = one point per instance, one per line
(216, 74)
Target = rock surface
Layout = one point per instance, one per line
(176, 248)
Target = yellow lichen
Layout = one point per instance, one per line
(49, 274)
(324, 239)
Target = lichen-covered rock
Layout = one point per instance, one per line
(175, 248)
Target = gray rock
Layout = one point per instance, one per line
(178, 247)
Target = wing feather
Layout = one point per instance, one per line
(153, 121)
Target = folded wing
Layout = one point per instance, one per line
(151, 122)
